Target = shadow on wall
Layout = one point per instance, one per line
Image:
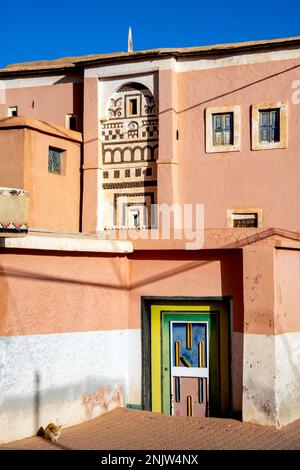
(189, 256)
(66, 405)
(232, 271)
(4, 294)
(104, 397)
(247, 85)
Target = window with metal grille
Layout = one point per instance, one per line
(269, 125)
(245, 220)
(55, 160)
(223, 129)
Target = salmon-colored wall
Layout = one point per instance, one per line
(91, 156)
(184, 273)
(259, 282)
(12, 158)
(58, 293)
(167, 164)
(287, 300)
(267, 179)
(54, 199)
(49, 103)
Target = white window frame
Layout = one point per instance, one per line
(11, 109)
(244, 210)
(282, 143)
(235, 110)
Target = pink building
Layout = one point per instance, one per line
(98, 307)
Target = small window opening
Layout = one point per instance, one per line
(12, 111)
(71, 122)
(55, 160)
(133, 106)
(245, 219)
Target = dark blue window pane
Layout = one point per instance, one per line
(228, 121)
(223, 129)
(265, 135)
(189, 357)
(269, 125)
(265, 119)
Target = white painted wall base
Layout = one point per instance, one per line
(67, 378)
(271, 379)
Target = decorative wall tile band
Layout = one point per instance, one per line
(129, 184)
(13, 211)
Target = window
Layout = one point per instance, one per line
(244, 220)
(12, 111)
(222, 129)
(133, 106)
(244, 217)
(223, 124)
(71, 122)
(134, 218)
(269, 125)
(55, 160)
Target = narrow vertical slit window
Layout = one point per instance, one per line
(133, 107)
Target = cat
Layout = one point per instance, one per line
(51, 432)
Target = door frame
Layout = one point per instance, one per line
(224, 303)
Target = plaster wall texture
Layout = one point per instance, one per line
(76, 296)
(54, 198)
(204, 273)
(287, 292)
(43, 293)
(222, 180)
(65, 378)
(247, 178)
(12, 158)
(271, 362)
(49, 102)
(271, 393)
(186, 173)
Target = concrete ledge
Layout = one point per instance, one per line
(21, 122)
(62, 242)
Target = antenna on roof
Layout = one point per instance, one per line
(130, 46)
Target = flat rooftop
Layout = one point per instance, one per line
(217, 49)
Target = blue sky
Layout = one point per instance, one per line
(39, 29)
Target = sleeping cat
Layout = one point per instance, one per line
(51, 432)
